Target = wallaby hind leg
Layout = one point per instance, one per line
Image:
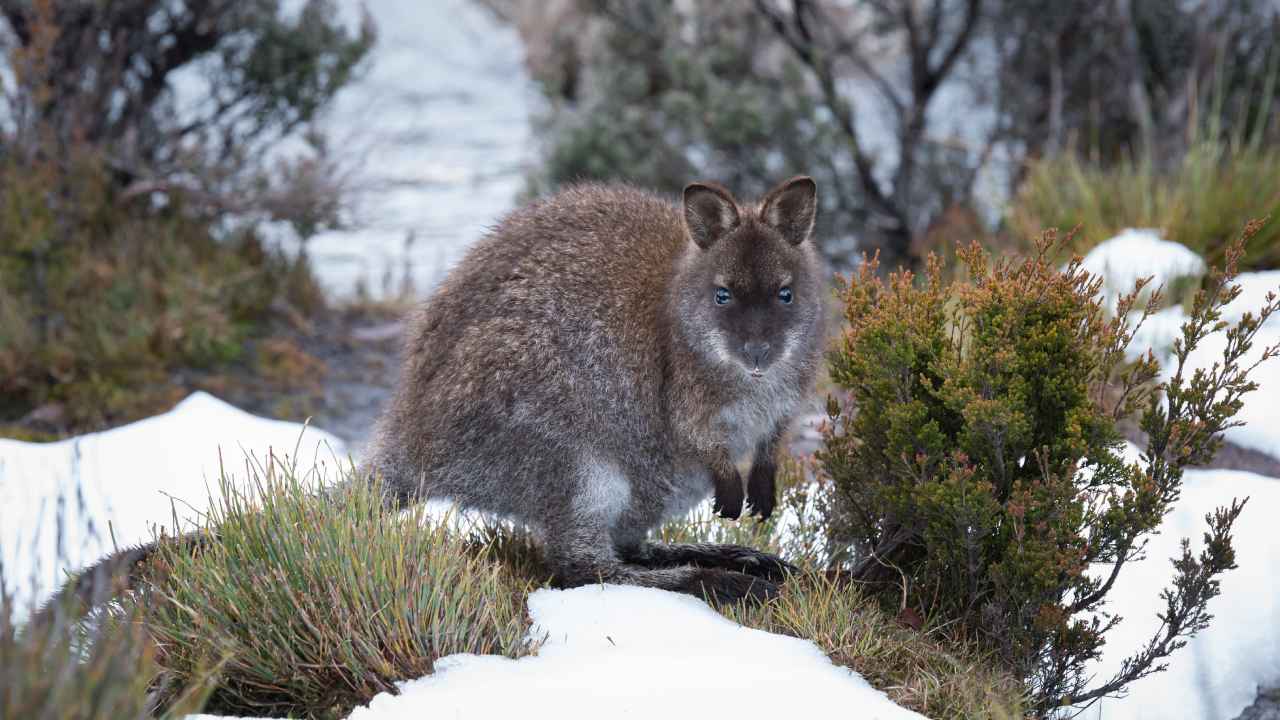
(738, 558)
(585, 555)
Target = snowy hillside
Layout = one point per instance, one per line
(644, 653)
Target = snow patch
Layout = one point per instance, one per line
(1138, 253)
(616, 651)
(1217, 674)
(126, 481)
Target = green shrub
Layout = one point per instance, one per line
(977, 473)
(316, 605)
(102, 297)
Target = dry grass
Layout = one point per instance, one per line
(317, 606)
(926, 671)
(918, 670)
(1198, 202)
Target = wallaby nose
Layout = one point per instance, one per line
(757, 351)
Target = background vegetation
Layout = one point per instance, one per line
(131, 215)
(919, 120)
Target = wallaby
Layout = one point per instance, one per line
(599, 363)
(596, 364)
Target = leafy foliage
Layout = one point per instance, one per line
(976, 467)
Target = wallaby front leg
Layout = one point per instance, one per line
(762, 494)
(728, 486)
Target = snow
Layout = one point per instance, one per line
(436, 136)
(642, 652)
(639, 653)
(126, 481)
(1138, 253)
(1261, 414)
(1217, 674)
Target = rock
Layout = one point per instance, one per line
(1266, 707)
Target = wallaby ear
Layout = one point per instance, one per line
(791, 208)
(710, 213)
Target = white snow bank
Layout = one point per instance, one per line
(1261, 412)
(127, 477)
(1218, 673)
(614, 651)
(1138, 253)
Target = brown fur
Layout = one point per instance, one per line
(575, 373)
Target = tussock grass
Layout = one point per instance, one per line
(97, 672)
(317, 606)
(928, 671)
(1197, 202)
(923, 671)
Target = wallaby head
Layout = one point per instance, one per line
(749, 293)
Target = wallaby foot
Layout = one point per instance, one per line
(738, 558)
(585, 565)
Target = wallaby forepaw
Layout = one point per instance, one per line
(761, 493)
(728, 500)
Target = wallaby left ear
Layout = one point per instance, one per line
(791, 208)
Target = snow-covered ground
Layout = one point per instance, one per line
(618, 650)
(614, 651)
(1218, 673)
(117, 486)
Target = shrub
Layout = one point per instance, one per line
(102, 297)
(317, 604)
(976, 467)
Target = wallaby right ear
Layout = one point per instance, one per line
(710, 213)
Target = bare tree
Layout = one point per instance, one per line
(102, 74)
(936, 35)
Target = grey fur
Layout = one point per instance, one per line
(575, 373)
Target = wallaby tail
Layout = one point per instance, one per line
(104, 581)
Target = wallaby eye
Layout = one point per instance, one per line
(785, 295)
(723, 296)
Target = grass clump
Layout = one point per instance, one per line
(1197, 201)
(101, 672)
(319, 602)
(100, 669)
(918, 670)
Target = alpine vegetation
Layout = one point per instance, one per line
(312, 601)
(977, 463)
